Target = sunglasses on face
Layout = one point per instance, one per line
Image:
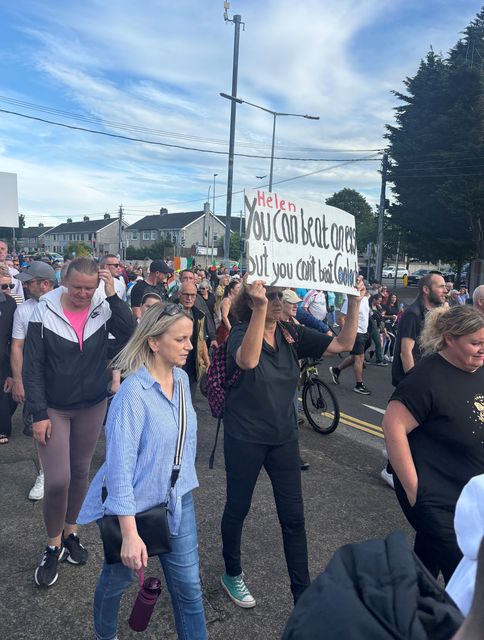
(274, 295)
(113, 264)
(189, 295)
(7, 286)
(202, 288)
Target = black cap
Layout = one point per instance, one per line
(161, 266)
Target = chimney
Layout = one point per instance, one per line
(85, 219)
(163, 211)
(107, 216)
(69, 220)
(41, 224)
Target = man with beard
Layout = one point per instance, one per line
(431, 293)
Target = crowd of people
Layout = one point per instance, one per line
(76, 335)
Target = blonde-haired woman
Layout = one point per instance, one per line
(434, 431)
(141, 438)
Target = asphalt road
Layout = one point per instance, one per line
(345, 501)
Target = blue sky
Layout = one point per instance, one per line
(160, 65)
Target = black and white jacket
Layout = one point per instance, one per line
(56, 372)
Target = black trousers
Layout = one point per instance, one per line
(435, 539)
(7, 409)
(243, 463)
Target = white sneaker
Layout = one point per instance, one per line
(387, 477)
(37, 491)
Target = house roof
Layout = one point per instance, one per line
(33, 232)
(167, 221)
(234, 223)
(90, 226)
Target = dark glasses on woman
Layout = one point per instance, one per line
(274, 295)
(7, 286)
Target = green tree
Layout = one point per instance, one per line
(234, 248)
(366, 221)
(435, 153)
(78, 249)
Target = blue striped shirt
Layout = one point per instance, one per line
(141, 434)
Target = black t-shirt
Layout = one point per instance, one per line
(448, 445)
(141, 288)
(259, 408)
(410, 326)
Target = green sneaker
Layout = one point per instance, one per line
(237, 590)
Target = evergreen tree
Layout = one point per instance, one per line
(434, 152)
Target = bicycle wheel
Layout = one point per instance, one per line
(320, 406)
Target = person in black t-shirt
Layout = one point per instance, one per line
(154, 283)
(434, 431)
(260, 428)
(406, 352)
(431, 294)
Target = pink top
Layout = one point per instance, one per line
(78, 321)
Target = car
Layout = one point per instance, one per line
(389, 272)
(414, 278)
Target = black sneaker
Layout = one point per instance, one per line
(75, 552)
(360, 388)
(46, 573)
(335, 373)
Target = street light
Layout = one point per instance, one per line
(274, 116)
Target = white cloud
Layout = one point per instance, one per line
(160, 65)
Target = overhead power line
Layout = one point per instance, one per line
(159, 132)
(173, 146)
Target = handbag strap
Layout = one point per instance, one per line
(182, 434)
(180, 442)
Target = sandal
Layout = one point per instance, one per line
(3, 439)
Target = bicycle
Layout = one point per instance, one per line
(320, 405)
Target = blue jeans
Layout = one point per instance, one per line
(180, 567)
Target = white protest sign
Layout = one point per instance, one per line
(8, 200)
(296, 243)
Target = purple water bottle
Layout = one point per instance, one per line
(144, 603)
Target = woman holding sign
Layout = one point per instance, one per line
(260, 425)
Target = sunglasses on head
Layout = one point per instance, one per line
(7, 286)
(172, 309)
(274, 295)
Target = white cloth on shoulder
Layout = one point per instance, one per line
(469, 528)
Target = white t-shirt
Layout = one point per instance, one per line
(21, 318)
(18, 289)
(119, 287)
(363, 316)
(315, 302)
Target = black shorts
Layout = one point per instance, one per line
(359, 346)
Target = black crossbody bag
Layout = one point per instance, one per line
(152, 524)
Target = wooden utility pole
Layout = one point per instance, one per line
(381, 214)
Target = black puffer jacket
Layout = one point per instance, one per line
(56, 372)
(374, 590)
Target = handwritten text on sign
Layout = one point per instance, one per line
(291, 243)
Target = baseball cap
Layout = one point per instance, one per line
(288, 295)
(161, 266)
(37, 269)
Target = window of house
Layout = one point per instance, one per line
(153, 235)
(146, 235)
(134, 235)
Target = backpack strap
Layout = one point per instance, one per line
(212, 455)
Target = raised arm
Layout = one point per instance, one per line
(248, 354)
(345, 340)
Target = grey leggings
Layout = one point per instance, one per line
(66, 459)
